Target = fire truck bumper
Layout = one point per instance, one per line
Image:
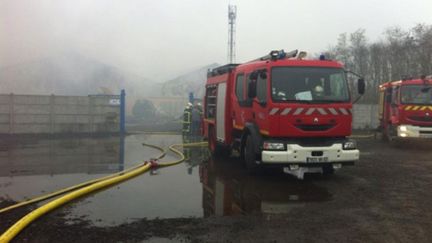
(409, 131)
(308, 156)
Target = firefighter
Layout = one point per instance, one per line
(196, 119)
(318, 91)
(187, 119)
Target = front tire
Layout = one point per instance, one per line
(250, 156)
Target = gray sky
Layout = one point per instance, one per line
(161, 39)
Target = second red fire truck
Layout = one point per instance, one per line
(405, 109)
(282, 110)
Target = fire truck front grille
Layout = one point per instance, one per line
(314, 127)
(421, 118)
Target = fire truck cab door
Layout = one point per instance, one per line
(220, 112)
(259, 105)
(390, 109)
(394, 112)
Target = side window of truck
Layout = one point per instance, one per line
(395, 95)
(388, 95)
(336, 86)
(247, 102)
(261, 88)
(240, 87)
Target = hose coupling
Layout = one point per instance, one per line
(153, 163)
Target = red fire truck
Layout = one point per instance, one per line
(282, 110)
(405, 108)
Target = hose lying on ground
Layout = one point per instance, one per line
(68, 189)
(30, 217)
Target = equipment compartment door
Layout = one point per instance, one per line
(220, 112)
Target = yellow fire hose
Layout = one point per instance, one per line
(68, 189)
(100, 184)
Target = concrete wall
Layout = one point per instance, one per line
(365, 116)
(31, 114)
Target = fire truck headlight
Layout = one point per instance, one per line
(349, 145)
(403, 128)
(273, 146)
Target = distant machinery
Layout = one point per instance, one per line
(232, 15)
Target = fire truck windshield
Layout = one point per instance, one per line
(308, 84)
(416, 94)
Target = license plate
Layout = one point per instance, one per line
(317, 159)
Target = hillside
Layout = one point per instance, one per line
(190, 82)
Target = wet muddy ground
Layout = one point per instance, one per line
(385, 197)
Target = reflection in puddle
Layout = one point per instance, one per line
(31, 167)
(229, 190)
(62, 156)
(195, 156)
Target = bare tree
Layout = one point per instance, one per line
(422, 36)
(401, 54)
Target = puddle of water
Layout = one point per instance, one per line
(173, 192)
(198, 188)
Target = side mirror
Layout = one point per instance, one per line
(361, 86)
(252, 89)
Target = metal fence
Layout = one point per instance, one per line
(51, 114)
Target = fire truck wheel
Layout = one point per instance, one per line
(250, 156)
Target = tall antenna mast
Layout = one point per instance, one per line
(232, 14)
